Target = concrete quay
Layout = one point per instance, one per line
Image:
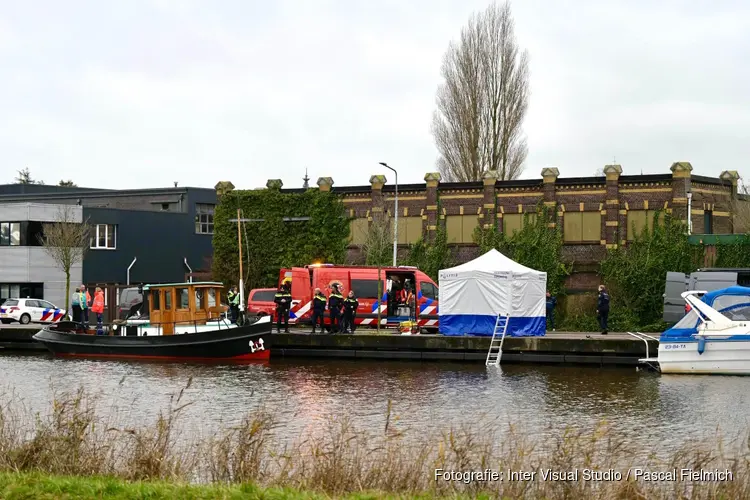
(555, 347)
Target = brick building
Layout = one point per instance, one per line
(594, 213)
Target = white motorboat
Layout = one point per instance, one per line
(712, 338)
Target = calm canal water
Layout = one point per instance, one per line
(645, 408)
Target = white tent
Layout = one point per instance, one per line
(474, 293)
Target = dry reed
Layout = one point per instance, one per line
(74, 439)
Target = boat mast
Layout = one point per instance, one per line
(239, 242)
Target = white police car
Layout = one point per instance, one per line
(27, 311)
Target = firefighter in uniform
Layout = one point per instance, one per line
(335, 302)
(350, 312)
(283, 300)
(319, 310)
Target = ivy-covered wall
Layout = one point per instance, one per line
(732, 251)
(432, 255)
(272, 243)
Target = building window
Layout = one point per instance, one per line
(637, 220)
(10, 234)
(21, 291)
(512, 223)
(32, 233)
(409, 230)
(104, 237)
(165, 206)
(204, 218)
(460, 228)
(358, 231)
(708, 222)
(582, 227)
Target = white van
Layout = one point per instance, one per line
(708, 279)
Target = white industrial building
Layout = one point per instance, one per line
(26, 270)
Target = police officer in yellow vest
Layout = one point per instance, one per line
(234, 304)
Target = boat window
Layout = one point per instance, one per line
(198, 299)
(155, 299)
(725, 301)
(688, 321)
(211, 297)
(168, 300)
(182, 298)
(740, 312)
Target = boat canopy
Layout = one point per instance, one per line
(733, 302)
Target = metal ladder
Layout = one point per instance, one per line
(496, 344)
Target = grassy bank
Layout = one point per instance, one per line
(27, 485)
(74, 449)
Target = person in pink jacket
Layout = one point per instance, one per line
(98, 308)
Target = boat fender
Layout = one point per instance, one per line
(701, 344)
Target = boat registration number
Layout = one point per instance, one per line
(675, 346)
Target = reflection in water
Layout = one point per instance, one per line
(642, 407)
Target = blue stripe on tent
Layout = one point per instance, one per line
(481, 325)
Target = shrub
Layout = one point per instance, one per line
(635, 273)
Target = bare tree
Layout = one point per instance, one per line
(66, 242)
(377, 249)
(483, 100)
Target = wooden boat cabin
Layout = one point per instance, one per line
(183, 304)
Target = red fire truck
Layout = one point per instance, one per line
(364, 281)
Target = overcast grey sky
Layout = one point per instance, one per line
(141, 93)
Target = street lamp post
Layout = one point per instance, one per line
(395, 221)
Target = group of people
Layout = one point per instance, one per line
(342, 311)
(602, 309)
(82, 303)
